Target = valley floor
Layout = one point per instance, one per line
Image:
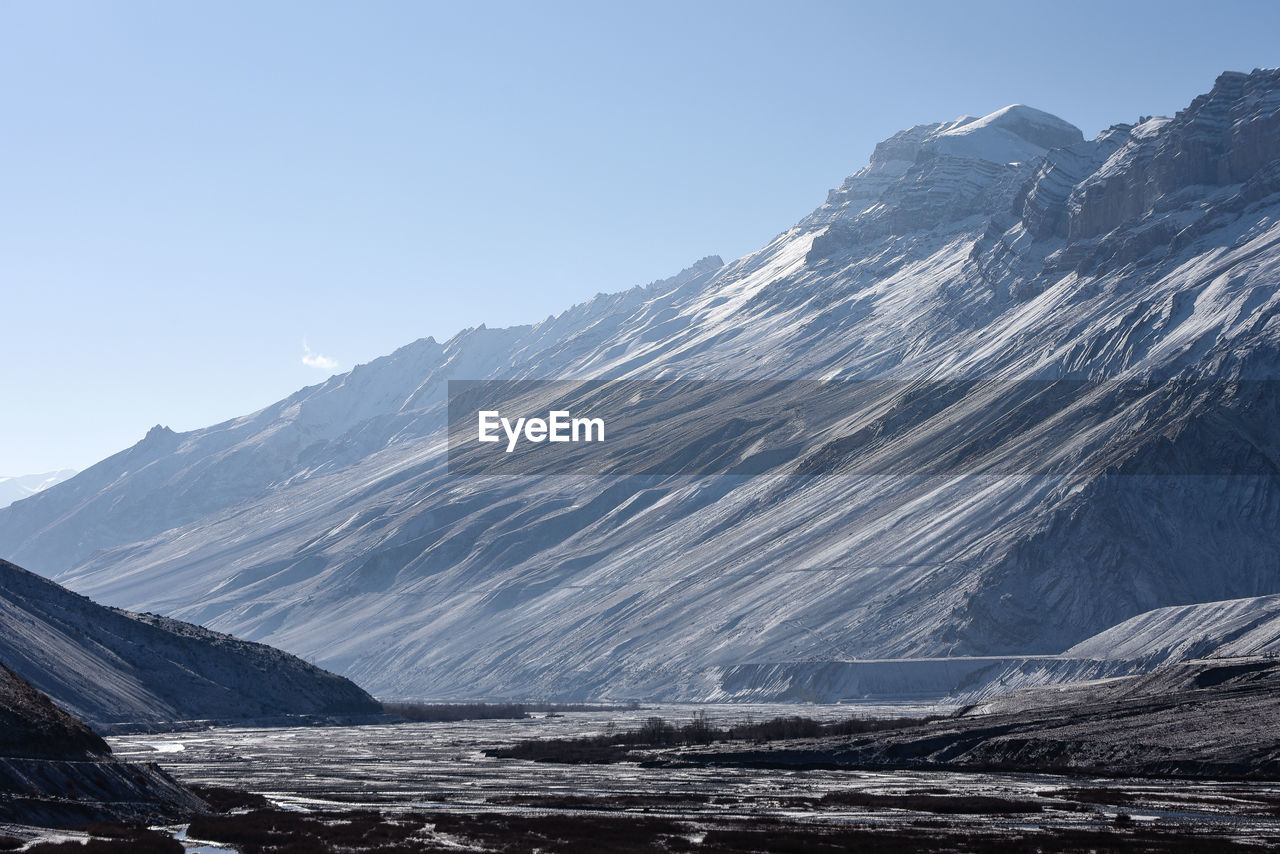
(430, 787)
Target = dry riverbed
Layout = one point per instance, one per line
(431, 787)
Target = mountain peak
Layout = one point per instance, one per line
(1011, 134)
(929, 175)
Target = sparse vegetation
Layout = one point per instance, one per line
(221, 799)
(935, 803)
(274, 831)
(658, 732)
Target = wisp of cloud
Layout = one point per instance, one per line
(316, 360)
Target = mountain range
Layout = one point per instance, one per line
(16, 488)
(985, 252)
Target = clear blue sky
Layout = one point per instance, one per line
(192, 190)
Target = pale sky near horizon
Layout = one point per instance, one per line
(207, 206)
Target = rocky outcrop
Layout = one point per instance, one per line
(119, 670)
(1224, 137)
(933, 176)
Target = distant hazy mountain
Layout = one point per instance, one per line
(16, 488)
(113, 668)
(996, 249)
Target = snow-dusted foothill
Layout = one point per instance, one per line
(118, 670)
(1151, 641)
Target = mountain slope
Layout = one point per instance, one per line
(1002, 250)
(113, 668)
(169, 480)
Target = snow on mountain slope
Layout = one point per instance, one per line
(329, 525)
(17, 488)
(168, 480)
(113, 668)
(1013, 134)
(1236, 627)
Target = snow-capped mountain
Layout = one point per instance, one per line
(16, 488)
(992, 250)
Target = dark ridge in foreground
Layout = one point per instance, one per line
(1210, 719)
(118, 670)
(32, 727)
(55, 771)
